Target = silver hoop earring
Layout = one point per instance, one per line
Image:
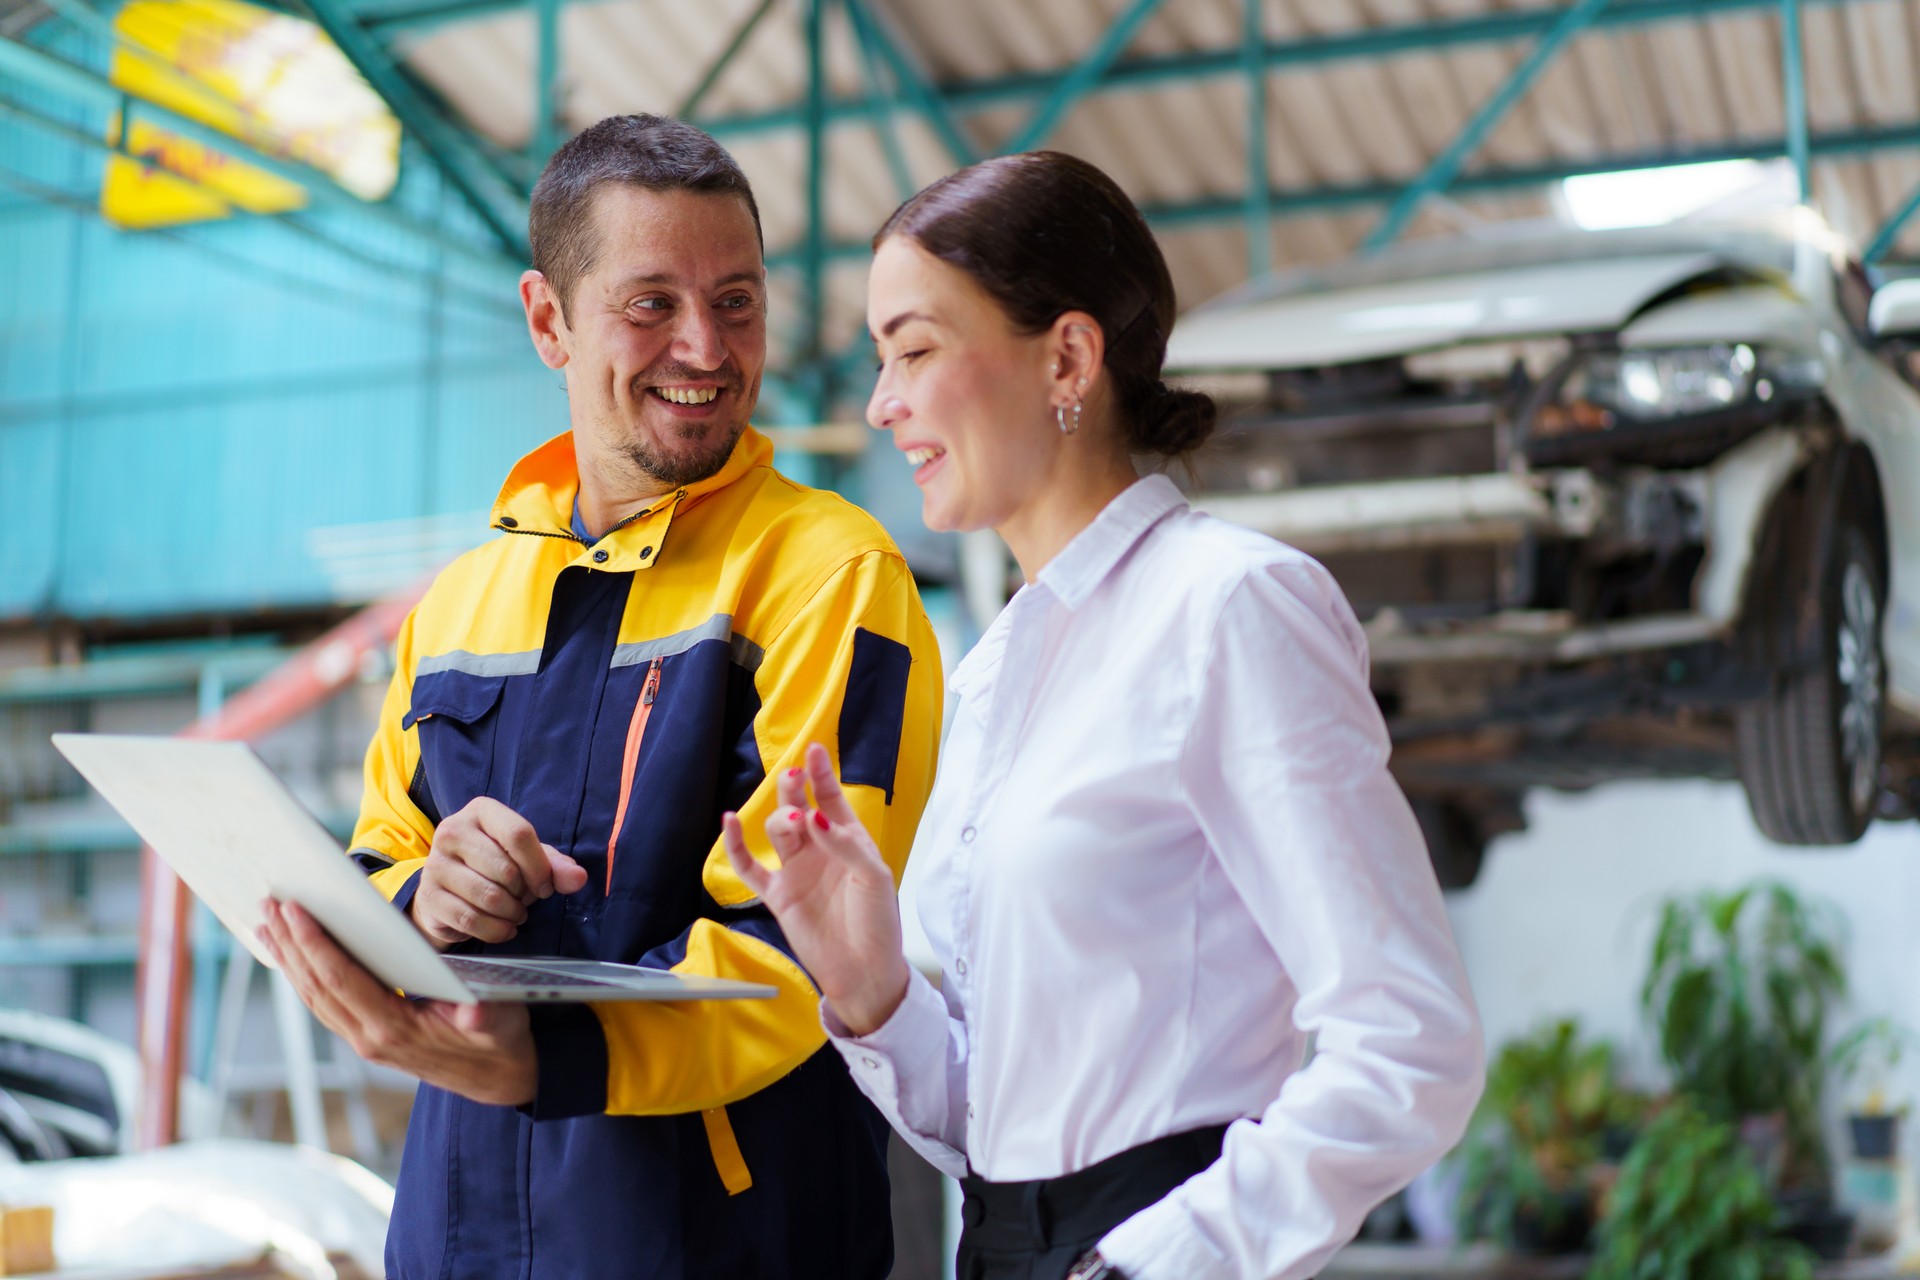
(1060, 416)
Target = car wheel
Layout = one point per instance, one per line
(1458, 831)
(1809, 752)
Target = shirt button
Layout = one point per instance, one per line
(969, 1111)
(508, 522)
(871, 1064)
(960, 966)
(645, 552)
(966, 836)
(599, 557)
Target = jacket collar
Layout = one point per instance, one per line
(538, 499)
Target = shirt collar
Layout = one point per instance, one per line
(1085, 562)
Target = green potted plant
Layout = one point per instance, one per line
(1738, 991)
(1527, 1165)
(1691, 1204)
(1866, 1058)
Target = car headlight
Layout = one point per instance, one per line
(1655, 384)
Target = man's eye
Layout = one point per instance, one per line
(739, 302)
(649, 304)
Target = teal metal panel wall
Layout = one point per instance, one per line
(179, 410)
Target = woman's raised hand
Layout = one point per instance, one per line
(833, 894)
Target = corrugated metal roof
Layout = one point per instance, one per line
(1681, 84)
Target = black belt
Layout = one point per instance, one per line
(1008, 1226)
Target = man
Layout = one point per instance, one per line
(664, 625)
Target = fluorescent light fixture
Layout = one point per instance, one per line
(1649, 197)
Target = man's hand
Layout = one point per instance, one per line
(833, 895)
(486, 867)
(479, 1051)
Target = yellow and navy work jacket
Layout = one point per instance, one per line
(620, 696)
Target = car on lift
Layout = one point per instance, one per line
(1624, 504)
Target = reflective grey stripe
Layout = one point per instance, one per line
(747, 654)
(481, 664)
(719, 627)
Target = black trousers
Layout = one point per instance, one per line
(1038, 1230)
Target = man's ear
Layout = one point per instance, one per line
(546, 323)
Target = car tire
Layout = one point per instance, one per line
(1456, 842)
(1809, 752)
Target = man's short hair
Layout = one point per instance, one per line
(654, 153)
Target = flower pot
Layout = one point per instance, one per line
(1875, 1136)
(1563, 1225)
(1816, 1222)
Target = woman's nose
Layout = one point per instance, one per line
(884, 409)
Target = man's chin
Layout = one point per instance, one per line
(687, 452)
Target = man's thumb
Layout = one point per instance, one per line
(568, 875)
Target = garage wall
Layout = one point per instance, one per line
(1562, 918)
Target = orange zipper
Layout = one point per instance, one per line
(636, 731)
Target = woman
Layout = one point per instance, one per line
(1163, 850)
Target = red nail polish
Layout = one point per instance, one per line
(820, 820)
(793, 773)
(793, 815)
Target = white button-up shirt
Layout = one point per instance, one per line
(1164, 851)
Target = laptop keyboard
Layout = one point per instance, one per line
(499, 972)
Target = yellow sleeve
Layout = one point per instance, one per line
(856, 669)
(391, 827)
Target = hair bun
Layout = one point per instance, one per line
(1173, 421)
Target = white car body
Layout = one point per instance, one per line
(1772, 285)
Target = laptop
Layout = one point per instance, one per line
(231, 830)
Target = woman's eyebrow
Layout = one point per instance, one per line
(887, 329)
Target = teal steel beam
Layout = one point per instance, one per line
(1365, 195)
(813, 308)
(1150, 72)
(1081, 79)
(929, 101)
(1446, 166)
(85, 86)
(885, 125)
(692, 102)
(390, 19)
(546, 87)
(1793, 78)
(1890, 229)
(500, 206)
(1259, 212)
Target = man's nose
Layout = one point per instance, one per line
(697, 339)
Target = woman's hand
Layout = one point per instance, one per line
(833, 895)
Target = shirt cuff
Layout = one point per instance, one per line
(571, 1048)
(917, 1026)
(1161, 1242)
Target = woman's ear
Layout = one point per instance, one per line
(546, 323)
(1078, 348)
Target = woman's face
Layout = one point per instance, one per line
(963, 393)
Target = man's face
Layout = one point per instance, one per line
(665, 339)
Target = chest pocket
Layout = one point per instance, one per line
(458, 715)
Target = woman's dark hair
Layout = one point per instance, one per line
(1045, 233)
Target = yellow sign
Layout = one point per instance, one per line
(275, 82)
